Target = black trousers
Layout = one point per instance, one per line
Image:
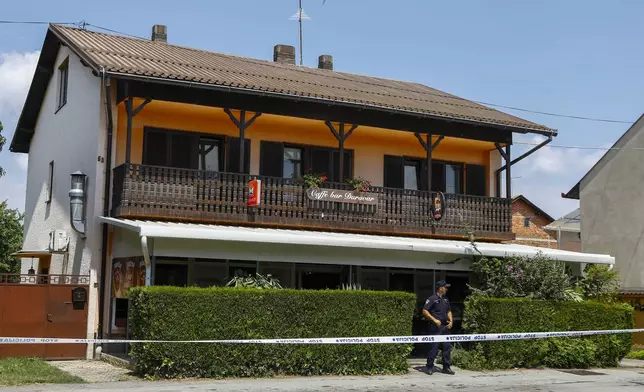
(433, 347)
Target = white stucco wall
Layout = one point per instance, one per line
(72, 137)
(612, 216)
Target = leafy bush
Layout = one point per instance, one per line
(174, 313)
(636, 354)
(512, 277)
(488, 315)
(600, 283)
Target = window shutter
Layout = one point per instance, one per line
(271, 159)
(348, 165)
(422, 184)
(475, 180)
(438, 176)
(184, 150)
(320, 161)
(394, 176)
(155, 152)
(232, 156)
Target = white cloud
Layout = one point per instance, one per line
(16, 72)
(22, 160)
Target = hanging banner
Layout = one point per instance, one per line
(340, 196)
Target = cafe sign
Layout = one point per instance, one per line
(342, 196)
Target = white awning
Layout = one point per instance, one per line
(31, 253)
(193, 231)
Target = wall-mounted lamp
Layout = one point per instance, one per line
(32, 271)
(77, 202)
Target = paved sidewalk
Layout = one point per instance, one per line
(622, 379)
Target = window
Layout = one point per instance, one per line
(453, 178)
(411, 175)
(50, 182)
(209, 154)
(292, 163)
(526, 222)
(188, 150)
(63, 73)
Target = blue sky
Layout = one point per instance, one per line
(579, 57)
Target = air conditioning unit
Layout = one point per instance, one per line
(58, 241)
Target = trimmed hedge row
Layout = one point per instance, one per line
(173, 313)
(488, 315)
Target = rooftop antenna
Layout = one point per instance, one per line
(300, 15)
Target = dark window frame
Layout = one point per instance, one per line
(199, 136)
(307, 157)
(63, 84)
(304, 158)
(421, 162)
(50, 183)
(526, 221)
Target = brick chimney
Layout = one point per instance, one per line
(284, 54)
(160, 33)
(325, 61)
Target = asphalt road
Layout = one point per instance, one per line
(622, 380)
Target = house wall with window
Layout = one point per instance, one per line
(178, 135)
(528, 223)
(69, 137)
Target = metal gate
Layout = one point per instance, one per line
(50, 306)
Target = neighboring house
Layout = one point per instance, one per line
(612, 218)
(528, 221)
(567, 231)
(610, 197)
(168, 139)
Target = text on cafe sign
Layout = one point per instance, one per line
(340, 196)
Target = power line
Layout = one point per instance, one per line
(34, 22)
(114, 31)
(582, 147)
(555, 114)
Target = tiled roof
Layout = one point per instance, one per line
(132, 56)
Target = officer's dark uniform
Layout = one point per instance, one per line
(438, 307)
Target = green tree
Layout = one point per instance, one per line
(10, 238)
(2, 141)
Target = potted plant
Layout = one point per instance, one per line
(314, 180)
(358, 184)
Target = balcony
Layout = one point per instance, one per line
(151, 192)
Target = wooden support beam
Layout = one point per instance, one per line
(341, 136)
(242, 125)
(508, 174)
(141, 106)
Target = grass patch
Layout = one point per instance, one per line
(23, 371)
(635, 354)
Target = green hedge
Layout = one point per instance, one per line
(486, 315)
(173, 313)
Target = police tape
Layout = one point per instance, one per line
(356, 340)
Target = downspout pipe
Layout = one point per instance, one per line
(106, 201)
(497, 173)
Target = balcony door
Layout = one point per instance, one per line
(191, 150)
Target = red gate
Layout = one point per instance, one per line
(42, 306)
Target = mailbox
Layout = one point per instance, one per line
(79, 297)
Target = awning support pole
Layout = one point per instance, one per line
(146, 258)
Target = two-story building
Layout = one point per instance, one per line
(362, 180)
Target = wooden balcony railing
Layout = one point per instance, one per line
(182, 194)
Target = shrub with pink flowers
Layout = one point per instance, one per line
(521, 277)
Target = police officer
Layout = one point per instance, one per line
(439, 313)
